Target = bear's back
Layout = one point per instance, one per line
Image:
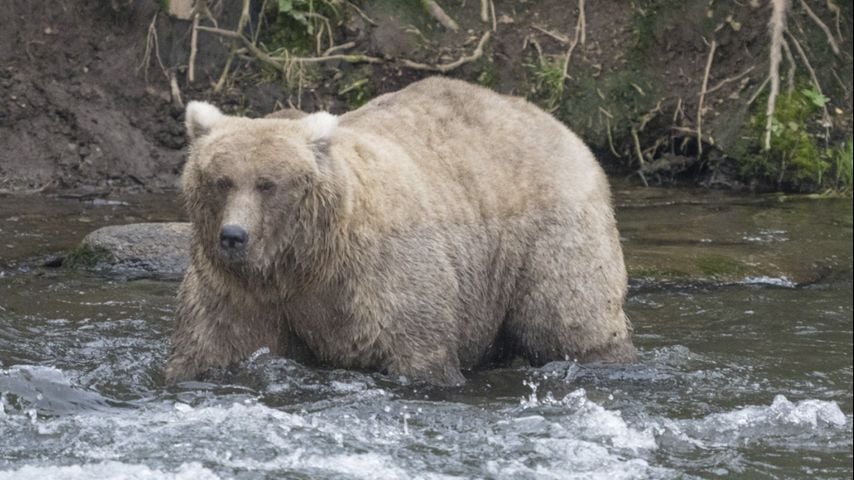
(464, 145)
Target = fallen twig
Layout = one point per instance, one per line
(447, 67)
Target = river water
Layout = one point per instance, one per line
(736, 379)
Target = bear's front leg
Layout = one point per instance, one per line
(423, 351)
(435, 368)
(217, 324)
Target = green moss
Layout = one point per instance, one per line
(720, 266)
(87, 257)
(656, 272)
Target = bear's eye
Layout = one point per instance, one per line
(223, 183)
(265, 185)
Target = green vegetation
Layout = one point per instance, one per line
(626, 98)
(487, 76)
(357, 91)
(843, 165)
(300, 27)
(797, 157)
(547, 81)
(656, 273)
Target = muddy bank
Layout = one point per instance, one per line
(86, 101)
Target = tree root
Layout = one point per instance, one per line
(151, 43)
(580, 36)
(439, 14)
(777, 24)
(447, 67)
(281, 61)
(830, 40)
(194, 48)
(828, 122)
(705, 85)
(727, 80)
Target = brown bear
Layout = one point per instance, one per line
(438, 228)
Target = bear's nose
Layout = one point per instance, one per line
(233, 238)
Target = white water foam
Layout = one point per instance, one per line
(771, 281)
(778, 423)
(109, 471)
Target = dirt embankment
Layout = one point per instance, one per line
(75, 109)
(672, 89)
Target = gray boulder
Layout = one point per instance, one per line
(159, 250)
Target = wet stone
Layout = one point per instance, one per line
(159, 250)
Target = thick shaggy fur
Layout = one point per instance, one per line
(435, 229)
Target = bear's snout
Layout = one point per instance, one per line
(233, 238)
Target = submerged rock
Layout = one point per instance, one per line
(139, 249)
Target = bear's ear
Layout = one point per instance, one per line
(319, 126)
(200, 118)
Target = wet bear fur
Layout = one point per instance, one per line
(436, 229)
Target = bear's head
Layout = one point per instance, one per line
(248, 183)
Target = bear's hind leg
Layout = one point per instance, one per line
(569, 299)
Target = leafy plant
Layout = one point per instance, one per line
(548, 81)
(815, 97)
(301, 26)
(795, 157)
